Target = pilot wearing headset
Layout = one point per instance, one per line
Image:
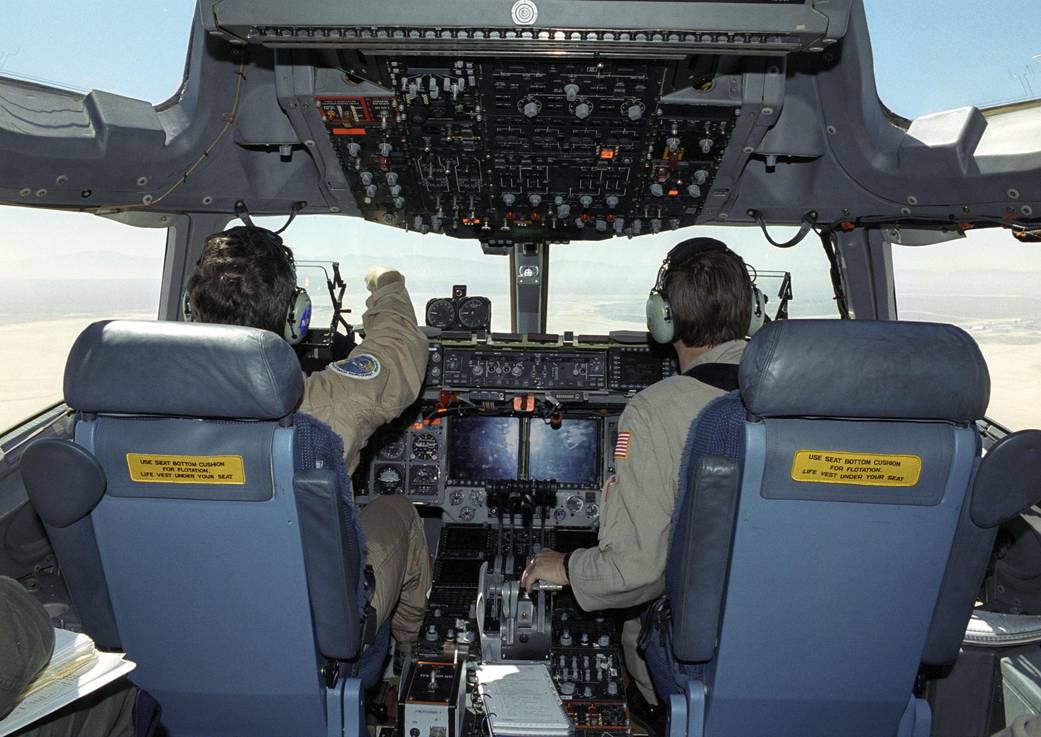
(704, 304)
(246, 276)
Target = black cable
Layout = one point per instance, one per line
(828, 241)
(809, 222)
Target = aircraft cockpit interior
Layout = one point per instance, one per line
(852, 548)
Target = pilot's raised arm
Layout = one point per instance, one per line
(247, 276)
(381, 377)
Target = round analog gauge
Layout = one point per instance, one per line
(574, 504)
(424, 447)
(440, 313)
(474, 313)
(477, 497)
(425, 475)
(393, 449)
(592, 510)
(456, 497)
(389, 480)
(466, 514)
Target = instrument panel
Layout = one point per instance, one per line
(510, 150)
(501, 416)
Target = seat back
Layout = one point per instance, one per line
(198, 531)
(845, 472)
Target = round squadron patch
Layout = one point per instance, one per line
(362, 366)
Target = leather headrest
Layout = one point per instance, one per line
(180, 369)
(864, 369)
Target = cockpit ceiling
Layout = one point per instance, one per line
(630, 124)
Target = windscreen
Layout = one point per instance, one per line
(568, 454)
(484, 448)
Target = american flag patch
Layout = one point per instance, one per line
(621, 448)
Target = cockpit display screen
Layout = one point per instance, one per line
(484, 448)
(569, 454)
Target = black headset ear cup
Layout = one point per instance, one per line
(186, 308)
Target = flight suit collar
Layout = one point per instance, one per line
(729, 352)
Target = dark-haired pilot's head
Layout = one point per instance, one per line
(710, 296)
(245, 276)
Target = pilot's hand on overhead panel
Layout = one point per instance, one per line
(548, 566)
(380, 276)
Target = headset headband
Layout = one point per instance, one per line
(685, 251)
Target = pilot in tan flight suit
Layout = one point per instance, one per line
(703, 305)
(246, 276)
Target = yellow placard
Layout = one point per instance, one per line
(148, 468)
(857, 469)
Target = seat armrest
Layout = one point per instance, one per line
(332, 585)
(705, 560)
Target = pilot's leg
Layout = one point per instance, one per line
(634, 663)
(396, 548)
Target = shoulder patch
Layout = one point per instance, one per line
(621, 448)
(362, 366)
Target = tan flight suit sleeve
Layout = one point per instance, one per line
(627, 567)
(355, 406)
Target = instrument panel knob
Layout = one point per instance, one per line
(571, 92)
(583, 110)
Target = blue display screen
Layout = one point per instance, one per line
(484, 448)
(569, 454)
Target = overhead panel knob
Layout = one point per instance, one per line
(530, 109)
(535, 199)
(370, 191)
(353, 149)
(508, 199)
(601, 226)
(673, 144)
(395, 190)
(612, 201)
(580, 223)
(655, 225)
(571, 92)
(619, 225)
(399, 202)
(385, 149)
(585, 200)
(706, 145)
(635, 112)
(392, 178)
(694, 191)
(366, 178)
(637, 226)
(583, 110)
(657, 190)
(563, 211)
(700, 176)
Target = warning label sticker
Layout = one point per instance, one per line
(859, 469)
(147, 468)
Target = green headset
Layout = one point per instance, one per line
(659, 312)
(298, 312)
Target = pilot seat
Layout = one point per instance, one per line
(208, 530)
(825, 545)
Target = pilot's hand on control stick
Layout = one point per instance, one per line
(380, 276)
(548, 566)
